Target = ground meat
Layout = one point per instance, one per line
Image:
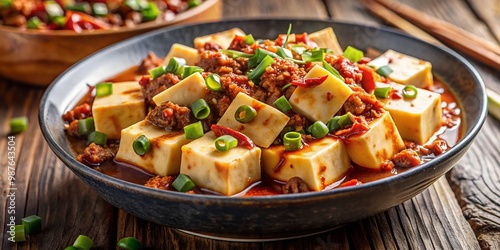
(239, 44)
(217, 62)
(407, 158)
(72, 129)
(438, 147)
(210, 46)
(149, 62)
(354, 104)
(295, 185)
(218, 102)
(297, 121)
(159, 182)
(279, 74)
(79, 112)
(157, 85)
(95, 154)
(348, 70)
(171, 116)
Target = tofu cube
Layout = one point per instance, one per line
(164, 156)
(416, 119)
(320, 103)
(326, 38)
(223, 38)
(226, 173)
(191, 55)
(319, 164)
(264, 128)
(185, 92)
(407, 70)
(380, 143)
(124, 107)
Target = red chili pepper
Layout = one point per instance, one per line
(243, 140)
(395, 94)
(78, 21)
(352, 182)
(304, 38)
(310, 82)
(144, 80)
(168, 112)
(368, 80)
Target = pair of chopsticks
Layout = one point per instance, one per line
(429, 28)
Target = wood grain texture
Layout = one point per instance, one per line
(489, 12)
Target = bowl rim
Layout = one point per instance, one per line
(71, 162)
(118, 30)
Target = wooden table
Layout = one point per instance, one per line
(461, 211)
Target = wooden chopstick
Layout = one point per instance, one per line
(397, 14)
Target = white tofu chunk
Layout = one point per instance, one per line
(164, 156)
(264, 128)
(185, 92)
(124, 107)
(407, 70)
(223, 38)
(380, 143)
(321, 102)
(191, 55)
(326, 38)
(320, 164)
(416, 119)
(227, 173)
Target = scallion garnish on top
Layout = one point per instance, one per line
(382, 92)
(225, 142)
(353, 54)
(292, 141)
(384, 70)
(282, 104)
(193, 130)
(261, 68)
(200, 109)
(245, 113)
(103, 89)
(410, 91)
(141, 145)
(319, 129)
(213, 82)
(183, 183)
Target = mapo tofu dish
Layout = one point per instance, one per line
(240, 116)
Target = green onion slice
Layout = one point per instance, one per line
(287, 35)
(353, 54)
(97, 138)
(225, 142)
(83, 7)
(129, 243)
(32, 224)
(339, 122)
(284, 53)
(103, 89)
(99, 9)
(175, 65)
(33, 23)
(5, 3)
(18, 124)
(319, 129)
(245, 113)
(19, 233)
(248, 39)
(332, 70)
(235, 53)
(189, 70)
(382, 92)
(292, 141)
(86, 126)
(151, 12)
(384, 70)
(141, 145)
(194, 3)
(261, 68)
(194, 130)
(200, 109)
(258, 56)
(158, 71)
(410, 91)
(213, 82)
(313, 56)
(183, 183)
(53, 9)
(83, 242)
(286, 86)
(298, 48)
(282, 104)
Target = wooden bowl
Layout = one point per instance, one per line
(38, 57)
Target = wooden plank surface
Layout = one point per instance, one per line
(432, 220)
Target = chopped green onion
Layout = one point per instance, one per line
(59, 21)
(332, 70)
(339, 122)
(313, 56)
(183, 183)
(5, 3)
(194, 3)
(326, 50)
(258, 56)
(141, 145)
(129, 243)
(287, 35)
(213, 82)
(99, 9)
(158, 71)
(298, 48)
(292, 141)
(71, 248)
(175, 65)
(33, 23)
(248, 39)
(151, 12)
(103, 89)
(18, 124)
(245, 113)
(200, 109)
(136, 5)
(193, 130)
(284, 52)
(410, 91)
(319, 129)
(53, 9)
(83, 242)
(32, 224)
(189, 70)
(384, 70)
(353, 54)
(86, 126)
(225, 142)
(235, 53)
(285, 130)
(97, 138)
(286, 86)
(19, 233)
(79, 6)
(261, 68)
(382, 92)
(282, 104)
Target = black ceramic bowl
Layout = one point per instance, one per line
(270, 216)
